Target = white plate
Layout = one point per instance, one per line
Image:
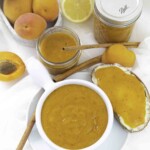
(115, 141)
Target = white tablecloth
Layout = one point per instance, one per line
(15, 96)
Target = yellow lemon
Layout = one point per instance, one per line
(77, 10)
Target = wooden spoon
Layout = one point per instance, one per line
(80, 67)
(103, 45)
(26, 132)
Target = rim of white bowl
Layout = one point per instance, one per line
(77, 82)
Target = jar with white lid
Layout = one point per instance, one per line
(114, 19)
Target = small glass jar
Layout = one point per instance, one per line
(114, 19)
(58, 67)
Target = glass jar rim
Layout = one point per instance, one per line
(58, 29)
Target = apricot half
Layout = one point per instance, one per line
(11, 66)
(118, 53)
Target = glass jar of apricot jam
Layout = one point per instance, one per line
(50, 49)
(114, 19)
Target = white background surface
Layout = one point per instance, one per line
(15, 96)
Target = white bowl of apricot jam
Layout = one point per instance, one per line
(71, 114)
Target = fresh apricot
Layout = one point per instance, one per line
(48, 9)
(11, 66)
(30, 26)
(14, 8)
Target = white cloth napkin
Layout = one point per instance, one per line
(13, 111)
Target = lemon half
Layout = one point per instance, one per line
(77, 10)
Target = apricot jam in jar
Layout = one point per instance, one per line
(50, 49)
(114, 19)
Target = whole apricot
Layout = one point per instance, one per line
(14, 8)
(118, 53)
(30, 26)
(11, 66)
(48, 9)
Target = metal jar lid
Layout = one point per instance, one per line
(118, 12)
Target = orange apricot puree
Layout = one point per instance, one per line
(51, 47)
(126, 93)
(74, 116)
